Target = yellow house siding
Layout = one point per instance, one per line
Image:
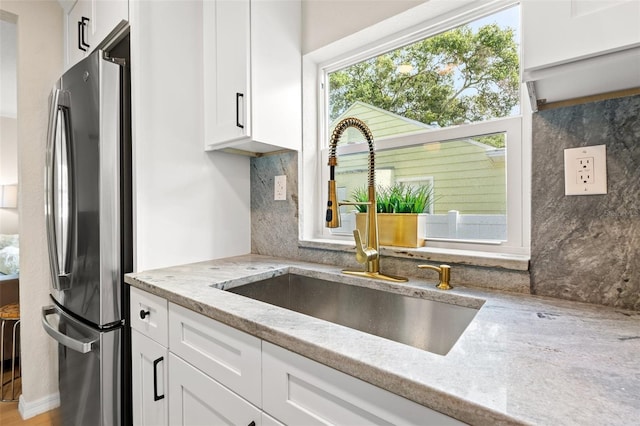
(381, 123)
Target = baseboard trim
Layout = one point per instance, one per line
(39, 406)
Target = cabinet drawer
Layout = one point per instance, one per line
(149, 315)
(267, 420)
(230, 356)
(301, 391)
(197, 399)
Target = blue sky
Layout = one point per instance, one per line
(507, 18)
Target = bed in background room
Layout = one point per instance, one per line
(9, 274)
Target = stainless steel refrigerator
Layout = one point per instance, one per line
(88, 215)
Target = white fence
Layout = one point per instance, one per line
(467, 226)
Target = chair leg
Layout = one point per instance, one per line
(18, 346)
(15, 351)
(13, 360)
(2, 360)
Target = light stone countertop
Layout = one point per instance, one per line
(523, 359)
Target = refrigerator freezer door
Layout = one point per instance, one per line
(90, 378)
(83, 185)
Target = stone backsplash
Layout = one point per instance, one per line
(587, 248)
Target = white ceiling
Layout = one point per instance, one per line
(8, 74)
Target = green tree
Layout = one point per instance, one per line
(456, 77)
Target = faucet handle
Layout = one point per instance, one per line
(363, 254)
(444, 273)
(332, 217)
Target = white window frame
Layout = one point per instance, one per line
(375, 40)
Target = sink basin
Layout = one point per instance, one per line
(422, 323)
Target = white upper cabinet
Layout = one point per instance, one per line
(575, 48)
(226, 44)
(89, 23)
(77, 32)
(252, 75)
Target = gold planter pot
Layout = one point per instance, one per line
(397, 229)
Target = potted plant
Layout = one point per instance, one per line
(401, 208)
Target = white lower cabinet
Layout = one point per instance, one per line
(197, 399)
(149, 381)
(297, 390)
(267, 420)
(214, 374)
(224, 353)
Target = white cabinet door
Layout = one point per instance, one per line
(107, 16)
(230, 356)
(578, 48)
(276, 64)
(77, 34)
(88, 23)
(252, 61)
(297, 390)
(226, 36)
(267, 420)
(149, 384)
(559, 31)
(197, 399)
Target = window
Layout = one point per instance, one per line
(444, 108)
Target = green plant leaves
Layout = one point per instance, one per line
(397, 198)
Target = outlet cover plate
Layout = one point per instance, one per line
(280, 188)
(585, 170)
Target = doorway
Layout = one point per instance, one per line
(9, 217)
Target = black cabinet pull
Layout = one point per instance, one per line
(83, 24)
(143, 313)
(156, 397)
(81, 36)
(252, 424)
(238, 96)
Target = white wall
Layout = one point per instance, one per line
(190, 205)
(8, 169)
(39, 66)
(325, 21)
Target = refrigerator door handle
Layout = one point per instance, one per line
(82, 346)
(59, 189)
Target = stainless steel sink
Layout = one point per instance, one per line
(425, 324)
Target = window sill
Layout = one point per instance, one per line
(432, 254)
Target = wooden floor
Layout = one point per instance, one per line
(9, 415)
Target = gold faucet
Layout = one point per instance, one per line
(444, 273)
(369, 252)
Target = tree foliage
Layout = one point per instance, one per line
(458, 76)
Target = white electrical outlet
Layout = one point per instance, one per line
(584, 166)
(280, 190)
(585, 170)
